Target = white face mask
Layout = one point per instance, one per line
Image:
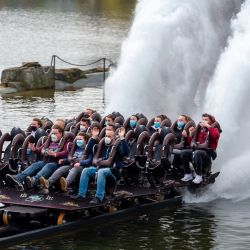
(83, 128)
(107, 141)
(54, 138)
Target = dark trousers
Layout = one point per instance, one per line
(187, 155)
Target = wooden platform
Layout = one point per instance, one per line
(61, 202)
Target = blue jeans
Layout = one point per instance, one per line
(46, 171)
(40, 168)
(102, 174)
(31, 170)
(84, 180)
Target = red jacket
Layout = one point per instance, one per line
(59, 155)
(214, 136)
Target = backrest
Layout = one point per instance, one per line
(16, 146)
(4, 153)
(142, 142)
(108, 162)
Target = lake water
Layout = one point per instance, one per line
(83, 31)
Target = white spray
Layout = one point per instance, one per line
(170, 54)
(228, 98)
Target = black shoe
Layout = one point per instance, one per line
(13, 180)
(78, 197)
(95, 200)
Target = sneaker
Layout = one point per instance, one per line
(197, 179)
(78, 197)
(95, 200)
(187, 177)
(30, 181)
(13, 180)
(63, 183)
(44, 182)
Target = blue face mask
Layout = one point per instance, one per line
(80, 143)
(132, 123)
(180, 125)
(157, 125)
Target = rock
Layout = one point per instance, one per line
(29, 76)
(69, 75)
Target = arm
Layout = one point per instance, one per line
(214, 133)
(64, 152)
(123, 148)
(87, 161)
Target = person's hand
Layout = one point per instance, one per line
(51, 153)
(31, 146)
(191, 129)
(95, 132)
(121, 132)
(204, 124)
(77, 165)
(61, 161)
(184, 133)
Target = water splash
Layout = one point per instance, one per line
(228, 98)
(170, 54)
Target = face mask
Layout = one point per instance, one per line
(54, 138)
(132, 123)
(180, 125)
(83, 128)
(107, 141)
(157, 125)
(80, 143)
(33, 128)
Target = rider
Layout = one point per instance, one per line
(45, 167)
(84, 125)
(198, 155)
(34, 125)
(104, 172)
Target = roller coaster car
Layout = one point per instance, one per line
(158, 152)
(9, 153)
(208, 176)
(137, 141)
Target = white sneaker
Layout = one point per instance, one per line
(197, 179)
(187, 177)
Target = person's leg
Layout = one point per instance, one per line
(186, 157)
(198, 160)
(46, 171)
(58, 174)
(31, 170)
(73, 172)
(101, 182)
(84, 180)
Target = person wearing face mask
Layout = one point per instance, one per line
(197, 155)
(34, 125)
(132, 122)
(157, 124)
(51, 153)
(102, 171)
(84, 125)
(71, 166)
(109, 119)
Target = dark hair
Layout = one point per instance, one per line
(84, 135)
(110, 116)
(112, 126)
(84, 119)
(59, 128)
(188, 118)
(95, 125)
(211, 117)
(39, 121)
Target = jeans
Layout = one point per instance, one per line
(31, 170)
(102, 174)
(84, 180)
(46, 171)
(187, 156)
(58, 174)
